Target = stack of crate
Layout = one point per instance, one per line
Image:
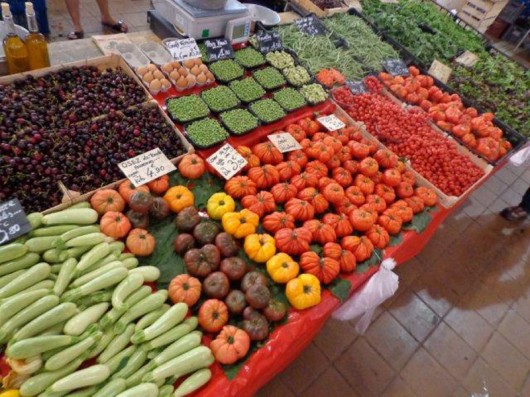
(481, 13)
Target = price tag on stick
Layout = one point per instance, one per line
(183, 49)
(218, 49)
(13, 221)
(311, 26)
(331, 122)
(227, 161)
(467, 59)
(284, 142)
(269, 41)
(146, 167)
(440, 71)
(396, 67)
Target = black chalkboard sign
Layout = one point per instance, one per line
(311, 26)
(396, 67)
(13, 221)
(269, 41)
(357, 87)
(218, 49)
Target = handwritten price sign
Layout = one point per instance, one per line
(146, 167)
(13, 221)
(284, 142)
(331, 122)
(183, 49)
(227, 161)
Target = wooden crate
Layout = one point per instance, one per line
(481, 13)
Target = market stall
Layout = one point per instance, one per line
(275, 177)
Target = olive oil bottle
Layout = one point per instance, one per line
(35, 42)
(14, 47)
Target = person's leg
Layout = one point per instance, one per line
(73, 10)
(106, 18)
(525, 203)
(520, 211)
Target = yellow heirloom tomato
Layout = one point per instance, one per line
(282, 268)
(240, 224)
(178, 198)
(260, 247)
(219, 204)
(303, 291)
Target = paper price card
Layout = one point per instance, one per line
(269, 41)
(227, 161)
(440, 71)
(13, 221)
(356, 87)
(284, 142)
(146, 167)
(467, 59)
(310, 25)
(183, 49)
(218, 49)
(331, 122)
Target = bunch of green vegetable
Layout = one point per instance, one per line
(249, 57)
(368, 47)
(403, 22)
(320, 52)
(206, 132)
(289, 99)
(239, 121)
(269, 78)
(314, 93)
(187, 108)
(69, 293)
(297, 75)
(247, 89)
(220, 98)
(280, 59)
(267, 110)
(226, 70)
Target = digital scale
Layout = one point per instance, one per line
(232, 22)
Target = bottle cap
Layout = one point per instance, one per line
(29, 8)
(6, 12)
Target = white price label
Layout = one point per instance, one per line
(331, 122)
(146, 167)
(284, 142)
(183, 49)
(467, 59)
(227, 161)
(440, 71)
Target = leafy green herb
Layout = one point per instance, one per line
(289, 99)
(269, 78)
(187, 108)
(249, 57)
(226, 70)
(280, 59)
(297, 75)
(247, 90)
(206, 132)
(314, 93)
(220, 98)
(239, 121)
(267, 110)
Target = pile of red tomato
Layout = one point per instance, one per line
(449, 113)
(339, 191)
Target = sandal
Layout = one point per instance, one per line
(119, 26)
(75, 35)
(514, 213)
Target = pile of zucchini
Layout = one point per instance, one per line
(68, 294)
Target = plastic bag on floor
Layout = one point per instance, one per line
(521, 157)
(381, 286)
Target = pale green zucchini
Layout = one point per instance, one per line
(69, 354)
(166, 322)
(103, 281)
(90, 239)
(76, 216)
(150, 318)
(35, 219)
(114, 314)
(141, 390)
(95, 273)
(172, 335)
(58, 314)
(55, 256)
(38, 344)
(115, 362)
(95, 254)
(124, 289)
(112, 388)
(180, 346)
(150, 273)
(90, 376)
(193, 382)
(40, 244)
(137, 359)
(130, 263)
(81, 321)
(65, 276)
(31, 276)
(12, 251)
(104, 341)
(77, 232)
(6, 280)
(145, 306)
(56, 230)
(118, 343)
(11, 306)
(21, 263)
(26, 367)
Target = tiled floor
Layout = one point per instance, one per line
(459, 324)
(460, 321)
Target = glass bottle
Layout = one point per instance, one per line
(14, 47)
(35, 42)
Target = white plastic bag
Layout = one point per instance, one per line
(521, 157)
(381, 286)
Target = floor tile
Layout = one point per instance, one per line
(482, 379)
(305, 369)
(409, 271)
(364, 369)
(427, 377)
(436, 293)
(484, 195)
(450, 350)
(517, 331)
(496, 185)
(474, 329)
(134, 19)
(398, 388)
(511, 196)
(473, 207)
(330, 384)
(485, 302)
(522, 306)
(502, 356)
(525, 390)
(335, 337)
(391, 341)
(275, 388)
(506, 175)
(417, 318)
